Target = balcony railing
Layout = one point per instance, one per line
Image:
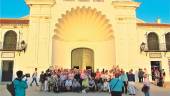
(19, 47)
(163, 47)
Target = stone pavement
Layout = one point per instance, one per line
(34, 91)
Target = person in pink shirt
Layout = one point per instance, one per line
(98, 74)
(146, 86)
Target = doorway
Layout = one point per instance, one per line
(88, 67)
(155, 65)
(82, 58)
(76, 67)
(7, 70)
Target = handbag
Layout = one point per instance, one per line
(11, 88)
(145, 88)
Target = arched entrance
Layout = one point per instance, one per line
(83, 26)
(82, 58)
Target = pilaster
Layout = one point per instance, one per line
(126, 33)
(39, 33)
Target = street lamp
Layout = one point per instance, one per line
(23, 46)
(142, 46)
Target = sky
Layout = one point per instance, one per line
(148, 11)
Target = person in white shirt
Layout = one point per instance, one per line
(105, 85)
(68, 84)
(34, 77)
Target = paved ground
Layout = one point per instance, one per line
(34, 91)
(156, 91)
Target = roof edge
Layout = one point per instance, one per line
(153, 24)
(13, 21)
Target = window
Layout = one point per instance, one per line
(153, 42)
(167, 41)
(10, 40)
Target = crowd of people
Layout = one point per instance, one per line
(59, 80)
(158, 76)
(115, 81)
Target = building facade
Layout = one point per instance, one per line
(82, 34)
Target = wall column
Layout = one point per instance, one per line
(39, 34)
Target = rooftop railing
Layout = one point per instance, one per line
(20, 46)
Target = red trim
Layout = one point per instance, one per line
(13, 21)
(153, 24)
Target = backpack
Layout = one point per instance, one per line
(11, 89)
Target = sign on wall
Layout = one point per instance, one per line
(7, 54)
(155, 55)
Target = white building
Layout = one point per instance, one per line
(93, 34)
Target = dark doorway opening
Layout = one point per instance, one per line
(7, 70)
(88, 67)
(155, 65)
(77, 67)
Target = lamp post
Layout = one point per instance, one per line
(23, 46)
(142, 47)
